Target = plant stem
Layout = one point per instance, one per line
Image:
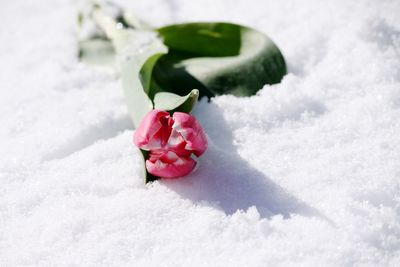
(105, 22)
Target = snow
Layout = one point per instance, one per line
(305, 173)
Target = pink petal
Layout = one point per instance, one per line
(178, 168)
(147, 135)
(191, 131)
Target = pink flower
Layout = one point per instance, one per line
(171, 141)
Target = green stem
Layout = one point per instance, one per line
(105, 22)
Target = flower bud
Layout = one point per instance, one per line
(171, 142)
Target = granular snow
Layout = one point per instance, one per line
(307, 172)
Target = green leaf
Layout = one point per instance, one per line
(132, 59)
(147, 70)
(172, 102)
(136, 54)
(212, 66)
(203, 39)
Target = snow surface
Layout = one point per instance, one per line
(305, 173)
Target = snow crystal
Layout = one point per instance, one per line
(306, 172)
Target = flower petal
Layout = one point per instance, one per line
(147, 135)
(191, 131)
(180, 167)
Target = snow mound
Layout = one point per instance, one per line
(306, 172)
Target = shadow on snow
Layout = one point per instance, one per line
(228, 181)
